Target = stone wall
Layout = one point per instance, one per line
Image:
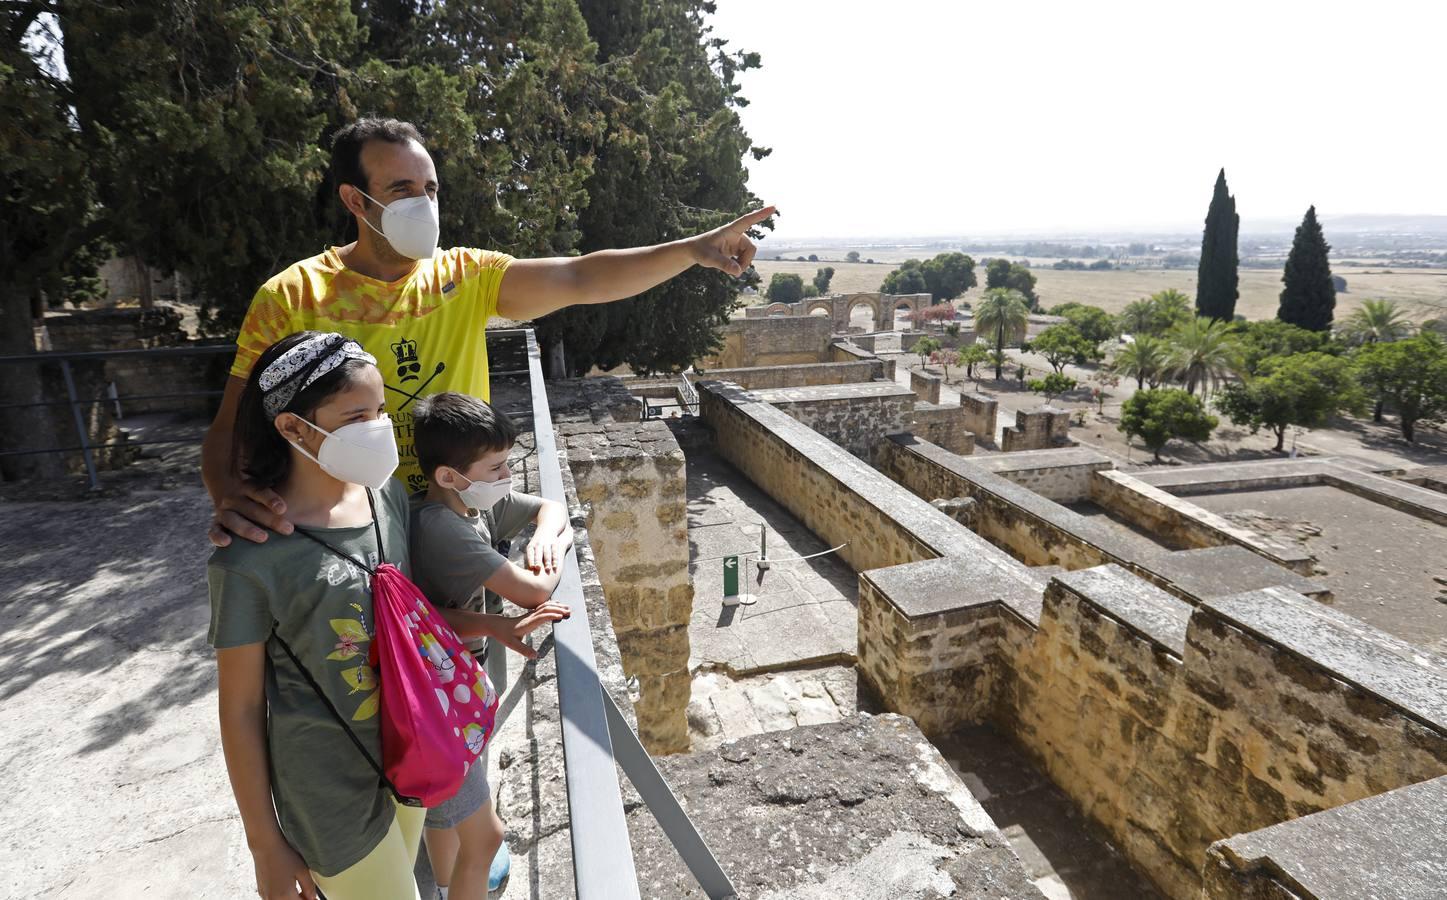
(1040, 532)
(630, 479)
(773, 377)
(926, 385)
(1173, 725)
(136, 329)
(943, 426)
(778, 341)
(1389, 845)
(1183, 523)
(1175, 728)
(835, 495)
(1033, 529)
(1062, 475)
(980, 410)
(848, 351)
(1037, 429)
(1345, 474)
(854, 416)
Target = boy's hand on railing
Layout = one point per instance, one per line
(519, 627)
(545, 556)
(244, 510)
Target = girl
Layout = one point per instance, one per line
(291, 620)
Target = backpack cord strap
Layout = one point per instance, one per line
(356, 741)
(376, 528)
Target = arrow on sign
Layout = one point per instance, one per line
(731, 562)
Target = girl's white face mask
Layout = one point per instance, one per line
(481, 495)
(410, 225)
(359, 453)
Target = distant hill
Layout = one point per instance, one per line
(1356, 224)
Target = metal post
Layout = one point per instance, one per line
(79, 424)
(660, 800)
(763, 560)
(115, 396)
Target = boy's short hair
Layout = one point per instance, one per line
(453, 429)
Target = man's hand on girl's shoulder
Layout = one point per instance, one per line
(246, 511)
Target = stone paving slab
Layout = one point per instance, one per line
(1389, 845)
(805, 611)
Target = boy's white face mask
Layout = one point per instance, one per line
(482, 495)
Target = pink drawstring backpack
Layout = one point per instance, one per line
(438, 707)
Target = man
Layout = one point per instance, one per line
(419, 310)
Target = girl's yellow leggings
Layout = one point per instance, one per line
(386, 872)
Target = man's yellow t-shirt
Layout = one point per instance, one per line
(427, 328)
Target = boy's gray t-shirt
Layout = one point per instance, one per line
(452, 555)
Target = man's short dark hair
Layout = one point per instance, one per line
(348, 142)
(455, 430)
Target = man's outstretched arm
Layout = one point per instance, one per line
(532, 288)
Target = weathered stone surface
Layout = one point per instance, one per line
(751, 342)
(980, 413)
(839, 308)
(1219, 571)
(1389, 845)
(1036, 429)
(854, 416)
(858, 371)
(1410, 678)
(945, 426)
(862, 808)
(631, 477)
(1183, 523)
(1147, 610)
(1340, 473)
(926, 386)
(1061, 474)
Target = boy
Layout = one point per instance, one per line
(460, 527)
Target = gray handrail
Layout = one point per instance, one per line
(602, 852)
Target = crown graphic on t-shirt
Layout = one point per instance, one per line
(407, 364)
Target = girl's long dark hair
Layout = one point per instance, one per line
(259, 453)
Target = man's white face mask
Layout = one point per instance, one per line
(410, 225)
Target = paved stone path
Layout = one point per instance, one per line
(805, 611)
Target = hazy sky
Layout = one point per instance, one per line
(913, 117)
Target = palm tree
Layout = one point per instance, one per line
(1137, 317)
(1378, 321)
(1172, 307)
(1202, 352)
(1003, 313)
(1144, 359)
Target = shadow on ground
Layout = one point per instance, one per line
(88, 584)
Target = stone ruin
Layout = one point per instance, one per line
(1187, 682)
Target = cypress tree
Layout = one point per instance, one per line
(1309, 297)
(1216, 277)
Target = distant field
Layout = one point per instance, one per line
(1421, 292)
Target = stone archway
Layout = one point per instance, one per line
(849, 302)
(911, 302)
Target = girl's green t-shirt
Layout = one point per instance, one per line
(332, 806)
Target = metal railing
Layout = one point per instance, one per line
(84, 445)
(689, 393)
(597, 739)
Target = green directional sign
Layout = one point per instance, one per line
(731, 576)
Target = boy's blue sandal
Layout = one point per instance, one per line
(501, 865)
